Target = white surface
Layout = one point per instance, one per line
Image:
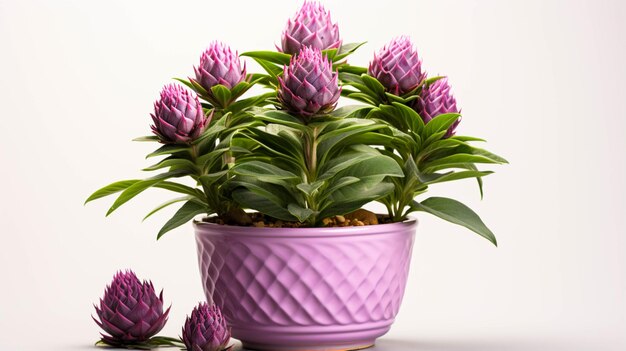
(463, 344)
(542, 81)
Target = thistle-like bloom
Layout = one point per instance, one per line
(309, 86)
(178, 116)
(130, 311)
(310, 27)
(397, 66)
(436, 99)
(219, 65)
(206, 329)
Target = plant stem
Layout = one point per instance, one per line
(212, 201)
(310, 154)
(398, 215)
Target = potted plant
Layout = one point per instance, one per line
(285, 248)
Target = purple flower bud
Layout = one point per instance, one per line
(206, 329)
(397, 66)
(310, 27)
(309, 86)
(219, 65)
(130, 311)
(436, 99)
(178, 116)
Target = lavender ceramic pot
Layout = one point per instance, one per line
(306, 288)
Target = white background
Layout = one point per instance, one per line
(542, 81)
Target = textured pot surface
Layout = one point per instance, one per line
(306, 288)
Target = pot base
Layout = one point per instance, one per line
(352, 347)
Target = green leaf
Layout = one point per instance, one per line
(186, 213)
(180, 188)
(241, 88)
(131, 192)
(111, 189)
(271, 56)
(363, 98)
(410, 167)
(467, 138)
(373, 84)
(434, 137)
(438, 146)
(349, 78)
(186, 83)
(451, 176)
(379, 167)
(490, 155)
(273, 70)
(395, 98)
(300, 212)
(209, 179)
(344, 132)
(453, 161)
(431, 80)
(221, 94)
(150, 344)
(138, 187)
(440, 123)
(264, 172)
(167, 203)
(215, 129)
(402, 117)
(212, 158)
(266, 146)
(282, 118)
(346, 160)
(173, 162)
(349, 111)
(464, 149)
(354, 196)
(263, 203)
(479, 180)
(169, 149)
(338, 184)
(291, 138)
(198, 88)
(260, 78)
(347, 49)
(329, 54)
(373, 139)
(147, 138)
(251, 101)
(455, 212)
(309, 189)
(371, 185)
(193, 85)
(351, 69)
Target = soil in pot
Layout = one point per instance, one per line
(360, 217)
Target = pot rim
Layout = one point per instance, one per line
(207, 228)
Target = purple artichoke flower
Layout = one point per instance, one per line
(178, 116)
(130, 311)
(309, 86)
(397, 66)
(435, 100)
(219, 65)
(310, 27)
(205, 329)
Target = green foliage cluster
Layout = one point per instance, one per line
(253, 155)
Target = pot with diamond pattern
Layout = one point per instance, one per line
(306, 288)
